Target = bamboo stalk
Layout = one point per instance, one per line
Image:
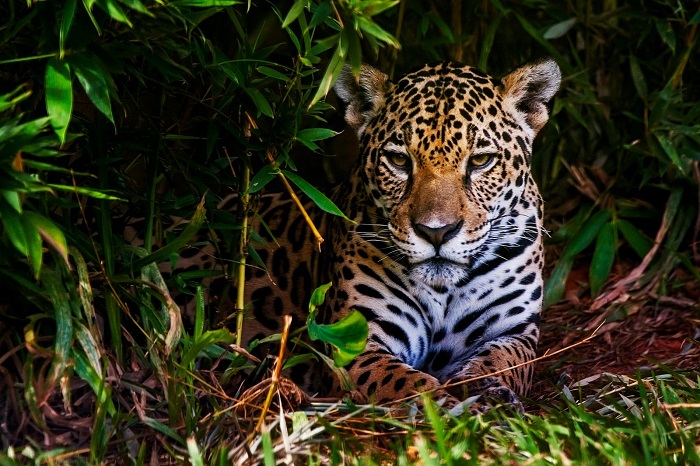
(240, 291)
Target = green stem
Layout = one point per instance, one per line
(240, 296)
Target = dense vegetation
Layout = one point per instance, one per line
(118, 109)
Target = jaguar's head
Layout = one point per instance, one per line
(445, 154)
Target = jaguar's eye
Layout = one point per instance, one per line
(480, 160)
(397, 158)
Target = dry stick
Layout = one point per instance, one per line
(271, 160)
(276, 373)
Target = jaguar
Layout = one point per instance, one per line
(443, 255)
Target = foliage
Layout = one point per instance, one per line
(112, 110)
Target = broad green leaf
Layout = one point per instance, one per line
(49, 232)
(164, 253)
(556, 284)
(137, 5)
(317, 196)
(586, 234)
(96, 380)
(634, 237)
(347, 337)
(559, 29)
(603, 257)
(95, 80)
(638, 78)
(260, 101)
(114, 10)
(12, 198)
(316, 134)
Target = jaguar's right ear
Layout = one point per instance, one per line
(363, 94)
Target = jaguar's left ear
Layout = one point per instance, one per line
(363, 94)
(530, 87)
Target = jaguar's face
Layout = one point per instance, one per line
(446, 156)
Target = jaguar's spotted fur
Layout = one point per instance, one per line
(445, 257)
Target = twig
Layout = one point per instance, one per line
(276, 373)
(271, 160)
(547, 355)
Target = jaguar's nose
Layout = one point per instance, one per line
(437, 236)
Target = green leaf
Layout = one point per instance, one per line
(335, 66)
(603, 257)
(35, 253)
(66, 21)
(294, 12)
(347, 337)
(586, 234)
(86, 191)
(272, 73)
(112, 8)
(262, 178)
(559, 29)
(317, 196)
(163, 253)
(665, 30)
(63, 341)
(204, 3)
(670, 150)
(556, 284)
(95, 80)
(50, 233)
(260, 101)
(634, 237)
(208, 338)
(638, 78)
(317, 297)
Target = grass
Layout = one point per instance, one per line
(189, 412)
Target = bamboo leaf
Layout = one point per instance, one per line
(556, 284)
(94, 80)
(294, 12)
(638, 78)
(603, 257)
(317, 196)
(67, 16)
(585, 236)
(63, 339)
(559, 29)
(634, 237)
(49, 232)
(174, 246)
